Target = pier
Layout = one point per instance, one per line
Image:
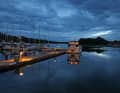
(26, 60)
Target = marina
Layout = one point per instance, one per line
(59, 46)
(22, 55)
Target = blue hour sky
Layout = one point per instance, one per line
(61, 20)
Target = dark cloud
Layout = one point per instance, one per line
(63, 19)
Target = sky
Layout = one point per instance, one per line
(61, 20)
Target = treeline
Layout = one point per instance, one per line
(10, 38)
(93, 41)
(115, 42)
(97, 41)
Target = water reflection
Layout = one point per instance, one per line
(96, 51)
(19, 71)
(55, 60)
(93, 49)
(101, 55)
(73, 58)
(94, 75)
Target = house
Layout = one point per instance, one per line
(73, 47)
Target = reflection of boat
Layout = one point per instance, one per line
(73, 58)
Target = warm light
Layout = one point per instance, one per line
(21, 53)
(73, 63)
(25, 59)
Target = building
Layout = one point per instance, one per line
(73, 47)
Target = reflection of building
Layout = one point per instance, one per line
(73, 47)
(19, 71)
(73, 58)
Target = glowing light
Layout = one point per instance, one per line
(25, 59)
(75, 63)
(21, 53)
(21, 74)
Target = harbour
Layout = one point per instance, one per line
(59, 46)
(22, 53)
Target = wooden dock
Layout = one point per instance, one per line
(12, 64)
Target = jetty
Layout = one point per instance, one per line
(26, 60)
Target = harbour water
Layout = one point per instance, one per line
(96, 72)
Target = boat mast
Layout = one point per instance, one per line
(39, 36)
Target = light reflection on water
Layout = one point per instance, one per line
(95, 73)
(101, 55)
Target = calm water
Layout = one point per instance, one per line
(95, 73)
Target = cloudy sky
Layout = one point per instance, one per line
(61, 20)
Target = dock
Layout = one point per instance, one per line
(26, 60)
